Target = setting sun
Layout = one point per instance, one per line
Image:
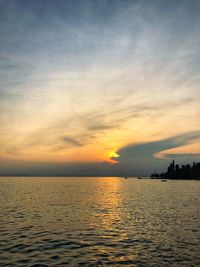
(113, 155)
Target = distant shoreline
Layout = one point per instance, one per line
(175, 172)
(98, 176)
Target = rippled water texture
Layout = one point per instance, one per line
(99, 221)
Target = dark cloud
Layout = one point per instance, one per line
(147, 150)
(140, 158)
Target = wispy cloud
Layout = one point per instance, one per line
(85, 128)
(78, 73)
(184, 157)
(72, 141)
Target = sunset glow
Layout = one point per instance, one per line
(80, 91)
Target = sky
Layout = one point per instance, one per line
(98, 87)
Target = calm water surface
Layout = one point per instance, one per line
(99, 222)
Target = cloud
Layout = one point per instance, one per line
(149, 149)
(19, 167)
(74, 71)
(72, 141)
(84, 128)
(134, 160)
(143, 157)
(183, 157)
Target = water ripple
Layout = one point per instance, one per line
(98, 222)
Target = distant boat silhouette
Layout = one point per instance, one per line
(125, 177)
(139, 177)
(163, 180)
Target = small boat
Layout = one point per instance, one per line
(163, 180)
(139, 177)
(125, 177)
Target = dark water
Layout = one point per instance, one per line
(99, 221)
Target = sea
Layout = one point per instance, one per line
(99, 221)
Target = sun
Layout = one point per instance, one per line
(113, 155)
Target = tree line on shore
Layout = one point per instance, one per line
(174, 171)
